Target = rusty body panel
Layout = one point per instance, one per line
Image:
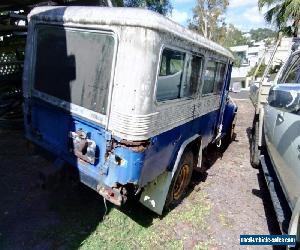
(102, 116)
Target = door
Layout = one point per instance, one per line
(284, 99)
(70, 88)
(287, 156)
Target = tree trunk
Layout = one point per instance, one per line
(296, 27)
(109, 3)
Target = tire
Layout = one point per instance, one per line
(180, 181)
(254, 150)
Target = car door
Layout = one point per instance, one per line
(287, 144)
(270, 114)
(286, 134)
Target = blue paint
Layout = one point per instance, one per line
(49, 127)
(162, 152)
(225, 90)
(229, 113)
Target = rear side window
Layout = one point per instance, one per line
(179, 75)
(170, 75)
(74, 65)
(193, 73)
(220, 77)
(214, 77)
(292, 73)
(209, 78)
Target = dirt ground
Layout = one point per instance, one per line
(229, 198)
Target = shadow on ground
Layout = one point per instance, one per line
(61, 217)
(65, 217)
(33, 218)
(263, 193)
(210, 155)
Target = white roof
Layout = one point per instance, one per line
(254, 49)
(240, 48)
(136, 17)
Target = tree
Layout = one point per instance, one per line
(208, 18)
(282, 13)
(161, 6)
(262, 34)
(237, 60)
(260, 71)
(234, 37)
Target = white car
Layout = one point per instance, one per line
(282, 140)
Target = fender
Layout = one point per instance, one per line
(294, 227)
(155, 193)
(229, 116)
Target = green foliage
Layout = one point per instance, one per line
(260, 71)
(237, 59)
(284, 14)
(161, 6)
(234, 37)
(275, 69)
(262, 34)
(208, 18)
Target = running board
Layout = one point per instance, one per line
(281, 207)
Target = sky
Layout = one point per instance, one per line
(243, 14)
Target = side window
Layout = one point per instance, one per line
(193, 72)
(170, 75)
(209, 78)
(220, 77)
(292, 73)
(214, 77)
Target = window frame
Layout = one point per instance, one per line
(223, 79)
(62, 104)
(202, 59)
(188, 54)
(284, 67)
(289, 65)
(218, 61)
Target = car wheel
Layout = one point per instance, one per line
(180, 181)
(254, 150)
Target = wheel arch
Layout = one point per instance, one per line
(230, 113)
(193, 143)
(155, 193)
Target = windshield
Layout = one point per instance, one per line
(74, 65)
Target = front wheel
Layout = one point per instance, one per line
(180, 181)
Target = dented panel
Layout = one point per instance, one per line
(127, 139)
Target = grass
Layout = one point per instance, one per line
(82, 226)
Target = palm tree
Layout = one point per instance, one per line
(285, 14)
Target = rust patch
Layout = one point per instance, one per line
(116, 195)
(136, 146)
